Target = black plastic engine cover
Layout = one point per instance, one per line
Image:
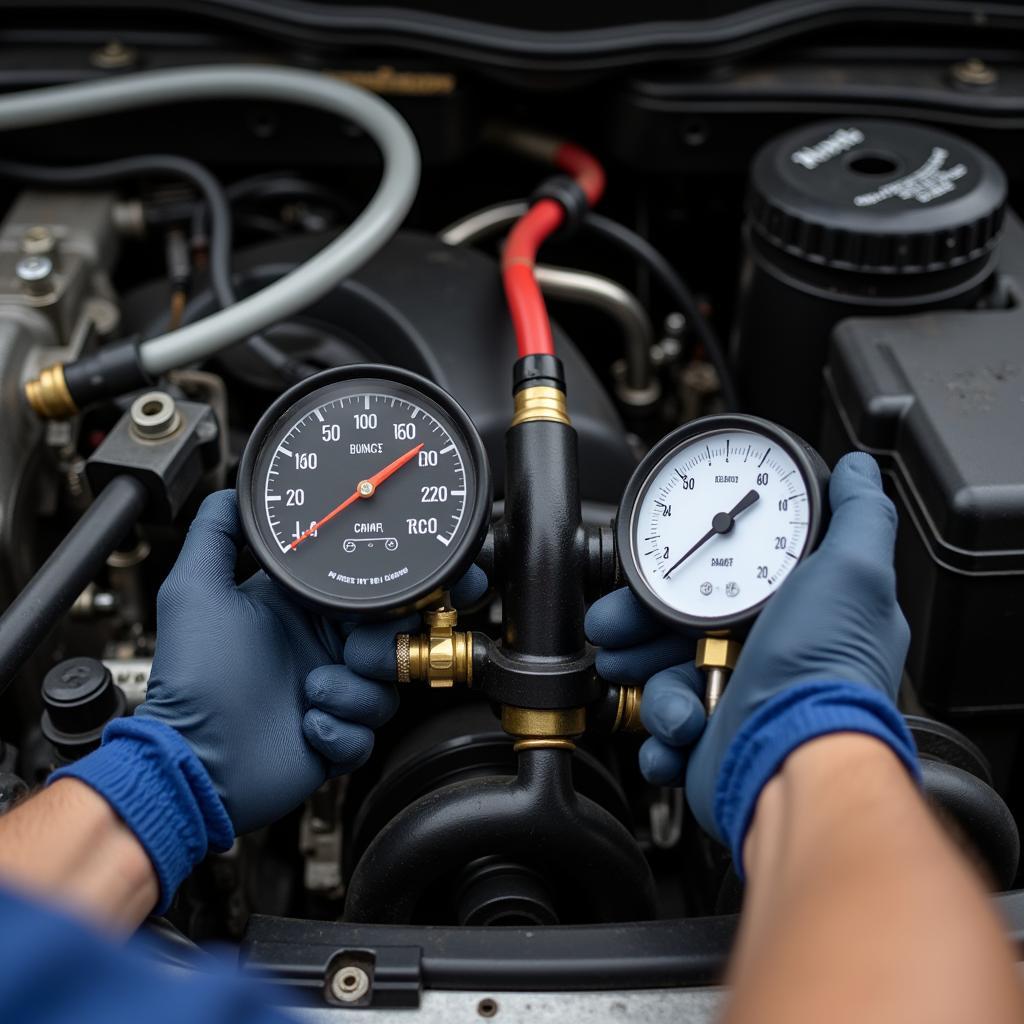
(938, 398)
(440, 311)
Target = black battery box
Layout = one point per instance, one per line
(938, 399)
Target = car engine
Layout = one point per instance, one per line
(209, 211)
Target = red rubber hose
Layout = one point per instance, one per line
(525, 302)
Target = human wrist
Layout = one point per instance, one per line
(830, 779)
(791, 719)
(67, 845)
(154, 782)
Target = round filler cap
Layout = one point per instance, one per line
(79, 697)
(876, 196)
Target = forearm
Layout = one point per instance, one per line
(858, 907)
(116, 832)
(68, 846)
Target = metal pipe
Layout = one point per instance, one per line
(609, 297)
(478, 225)
(65, 574)
(580, 286)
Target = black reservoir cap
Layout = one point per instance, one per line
(878, 197)
(80, 697)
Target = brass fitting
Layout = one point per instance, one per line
(627, 714)
(540, 729)
(48, 394)
(441, 657)
(540, 403)
(717, 655)
(717, 652)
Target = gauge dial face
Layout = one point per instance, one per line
(365, 493)
(720, 522)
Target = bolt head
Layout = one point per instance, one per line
(154, 415)
(114, 55)
(365, 488)
(349, 984)
(38, 241)
(974, 72)
(32, 269)
(36, 275)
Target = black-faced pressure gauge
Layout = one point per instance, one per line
(715, 518)
(364, 490)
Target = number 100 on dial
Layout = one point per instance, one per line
(365, 490)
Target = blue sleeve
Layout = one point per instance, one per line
(57, 970)
(159, 788)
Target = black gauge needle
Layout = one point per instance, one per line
(722, 523)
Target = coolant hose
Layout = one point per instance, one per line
(318, 275)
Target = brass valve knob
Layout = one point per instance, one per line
(440, 657)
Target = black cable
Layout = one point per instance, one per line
(273, 185)
(220, 225)
(642, 250)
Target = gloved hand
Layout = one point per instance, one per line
(249, 709)
(254, 682)
(824, 656)
(634, 647)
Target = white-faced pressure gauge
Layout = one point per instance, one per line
(715, 518)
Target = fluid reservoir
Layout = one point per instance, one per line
(854, 218)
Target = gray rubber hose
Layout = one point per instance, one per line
(318, 275)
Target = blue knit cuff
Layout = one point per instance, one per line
(150, 776)
(790, 719)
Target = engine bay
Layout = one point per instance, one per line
(274, 248)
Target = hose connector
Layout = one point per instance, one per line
(48, 394)
(440, 657)
(63, 389)
(538, 386)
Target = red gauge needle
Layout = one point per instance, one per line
(365, 489)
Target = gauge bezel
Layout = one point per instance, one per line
(810, 464)
(457, 559)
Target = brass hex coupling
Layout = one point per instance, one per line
(717, 655)
(544, 729)
(48, 394)
(539, 402)
(440, 657)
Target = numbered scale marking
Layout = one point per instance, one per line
(716, 518)
(364, 489)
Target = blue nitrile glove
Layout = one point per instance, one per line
(825, 656)
(370, 649)
(255, 687)
(635, 647)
